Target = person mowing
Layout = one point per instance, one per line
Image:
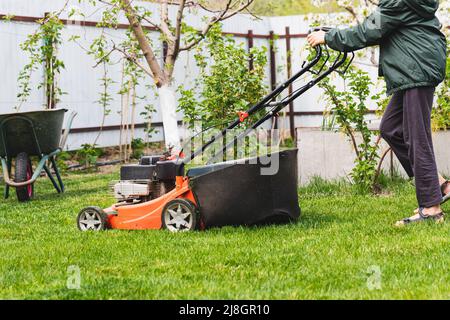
(413, 63)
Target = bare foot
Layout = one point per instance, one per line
(433, 212)
(447, 189)
(427, 211)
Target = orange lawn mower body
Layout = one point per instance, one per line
(147, 215)
(157, 194)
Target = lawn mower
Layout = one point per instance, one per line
(158, 194)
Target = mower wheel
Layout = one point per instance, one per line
(24, 172)
(92, 218)
(179, 215)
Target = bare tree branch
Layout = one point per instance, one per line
(150, 22)
(132, 58)
(238, 10)
(174, 49)
(380, 164)
(157, 72)
(146, 19)
(226, 13)
(178, 24)
(172, 33)
(102, 59)
(165, 23)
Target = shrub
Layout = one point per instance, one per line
(225, 84)
(88, 155)
(349, 109)
(138, 146)
(441, 114)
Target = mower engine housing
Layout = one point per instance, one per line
(131, 190)
(148, 180)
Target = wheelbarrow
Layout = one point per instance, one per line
(32, 134)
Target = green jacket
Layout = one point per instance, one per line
(412, 47)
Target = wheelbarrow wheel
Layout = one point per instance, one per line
(179, 215)
(24, 172)
(92, 218)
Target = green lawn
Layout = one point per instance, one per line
(328, 254)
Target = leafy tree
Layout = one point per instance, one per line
(41, 47)
(177, 37)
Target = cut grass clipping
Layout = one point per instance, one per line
(344, 246)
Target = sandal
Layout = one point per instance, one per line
(445, 197)
(438, 218)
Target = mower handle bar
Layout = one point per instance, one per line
(326, 29)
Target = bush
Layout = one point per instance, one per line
(138, 146)
(61, 161)
(441, 114)
(225, 85)
(88, 155)
(349, 109)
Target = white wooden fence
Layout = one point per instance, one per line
(81, 81)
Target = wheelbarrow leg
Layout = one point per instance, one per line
(58, 176)
(50, 176)
(9, 164)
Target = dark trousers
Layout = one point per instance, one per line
(406, 127)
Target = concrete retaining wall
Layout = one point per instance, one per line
(330, 155)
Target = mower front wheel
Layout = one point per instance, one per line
(179, 215)
(92, 218)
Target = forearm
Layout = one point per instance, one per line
(354, 38)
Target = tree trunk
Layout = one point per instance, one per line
(122, 103)
(167, 98)
(162, 77)
(144, 44)
(133, 118)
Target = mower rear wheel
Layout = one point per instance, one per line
(92, 218)
(179, 215)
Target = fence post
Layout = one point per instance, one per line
(289, 75)
(273, 70)
(250, 46)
